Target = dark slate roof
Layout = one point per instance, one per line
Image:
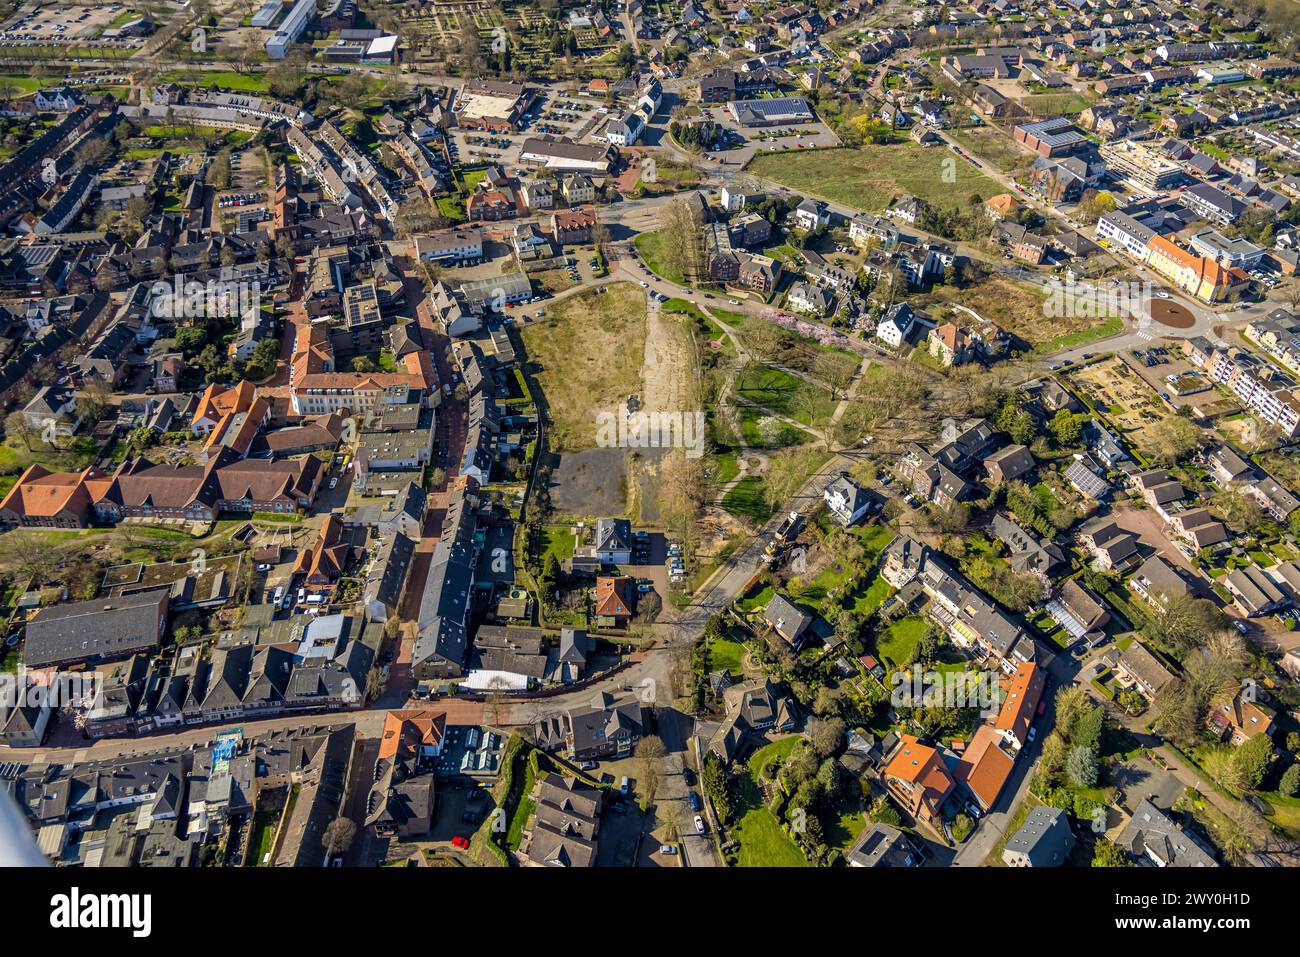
(103, 628)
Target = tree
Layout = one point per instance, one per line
(765, 341)
(1106, 853)
(1087, 730)
(681, 495)
(1173, 439)
(787, 471)
(1067, 427)
(678, 238)
(1239, 512)
(835, 370)
(1241, 832)
(650, 753)
(713, 777)
(1175, 714)
(826, 735)
(1094, 205)
(1290, 783)
(1253, 759)
(16, 424)
(1016, 421)
(1072, 703)
(1081, 767)
(1184, 621)
(338, 835)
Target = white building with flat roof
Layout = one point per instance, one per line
(297, 20)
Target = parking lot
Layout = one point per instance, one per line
(774, 138)
(564, 116)
(83, 24)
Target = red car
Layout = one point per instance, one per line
(461, 842)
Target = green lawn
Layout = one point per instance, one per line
(558, 540)
(762, 841)
(747, 500)
(451, 207)
(1072, 340)
(264, 825)
(865, 602)
(727, 655)
(772, 434)
(228, 79)
(779, 391)
(1285, 812)
(895, 643)
(23, 84)
(647, 246)
(870, 177)
(725, 468)
(753, 600)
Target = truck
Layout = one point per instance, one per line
(790, 526)
(786, 533)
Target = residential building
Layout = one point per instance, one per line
(1044, 840)
(918, 779)
(1153, 837)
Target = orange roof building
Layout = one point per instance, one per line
(985, 766)
(323, 563)
(44, 499)
(237, 430)
(917, 777)
(411, 735)
(317, 389)
(1239, 720)
(1002, 206)
(614, 597)
(1198, 275)
(1023, 692)
(218, 402)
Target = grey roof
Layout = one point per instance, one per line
(594, 725)
(105, 628)
(1087, 481)
(1153, 834)
(786, 617)
(1158, 577)
(883, 846)
(392, 564)
(565, 831)
(1028, 552)
(445, 603)
(1045, 838)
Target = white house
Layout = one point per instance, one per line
(896, 325)
(847, 501)
(614, 541)
(810, 214)
(877, 229)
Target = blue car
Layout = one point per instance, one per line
(694, 800)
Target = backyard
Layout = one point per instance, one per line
(763, 843)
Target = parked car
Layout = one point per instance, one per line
(460, 842)
(694, 800)
(699, 825)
